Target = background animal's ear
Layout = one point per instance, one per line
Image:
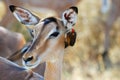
(69, 17)
(24, 16)
(70, 39)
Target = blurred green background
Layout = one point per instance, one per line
(98, 31)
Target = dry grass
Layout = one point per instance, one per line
(81, 61)
(2, 10)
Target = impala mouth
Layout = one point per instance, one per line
(30, 65)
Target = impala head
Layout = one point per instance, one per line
(49, 40)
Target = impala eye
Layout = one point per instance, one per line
(55, 34)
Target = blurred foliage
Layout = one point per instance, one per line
(18, 27)
(82, 61)
(2, 10)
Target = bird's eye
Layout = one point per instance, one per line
(55, 34)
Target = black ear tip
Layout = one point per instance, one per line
(12, 8)
(74, 8)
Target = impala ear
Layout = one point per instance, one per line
(70, 38)
(69, 17)
(24, 16)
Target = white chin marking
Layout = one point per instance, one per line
(31, 66)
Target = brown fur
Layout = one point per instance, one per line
(10, 42)
(11, 71)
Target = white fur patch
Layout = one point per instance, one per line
(72, 18)
(28, 66)
(25, 17)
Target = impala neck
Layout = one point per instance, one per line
(54, 68)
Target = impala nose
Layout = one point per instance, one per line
(28, 59)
